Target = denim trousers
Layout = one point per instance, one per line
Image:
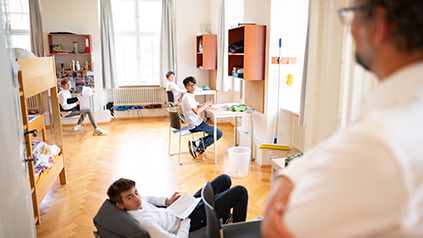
(209, 138)
(225, 198)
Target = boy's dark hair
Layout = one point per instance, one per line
(189, 79)
(169, 73)
(64, 81)
(118, 187)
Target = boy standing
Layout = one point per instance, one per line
(71, 109)
(192, 111)
(176, 90)
(161, 222)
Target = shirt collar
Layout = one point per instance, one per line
(397, 88)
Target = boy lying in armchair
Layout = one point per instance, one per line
(162, 222)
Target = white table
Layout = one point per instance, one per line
(216, 113)
(205, 93)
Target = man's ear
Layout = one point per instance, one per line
(120, 205)
(381, 26)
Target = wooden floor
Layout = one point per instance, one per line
(135, 149)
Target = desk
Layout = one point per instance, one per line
(216, 113)
(205, 93)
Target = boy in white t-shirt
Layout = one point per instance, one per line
(176, 90)
(192, 111)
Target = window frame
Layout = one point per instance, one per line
(139, 34)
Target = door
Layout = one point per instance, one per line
(16, 213)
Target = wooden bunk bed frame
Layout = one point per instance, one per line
(37, 75)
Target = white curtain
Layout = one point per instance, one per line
(36, 28)
(222, 55)
(107, 39)
(167, 41)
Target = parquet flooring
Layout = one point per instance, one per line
(135, 149)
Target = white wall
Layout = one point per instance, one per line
(190, 14)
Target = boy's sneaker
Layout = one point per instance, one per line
(228, 220)
(77, 127)
(99, 132)
(192, 148)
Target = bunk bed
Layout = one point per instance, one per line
(37, 75)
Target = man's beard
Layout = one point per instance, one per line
(361, 61)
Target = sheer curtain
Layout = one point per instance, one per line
(222, 56)
(226, 21)
(107, 39)
(167, 40)
(36, 28)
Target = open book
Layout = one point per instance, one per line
(86, 93)
(184, 205)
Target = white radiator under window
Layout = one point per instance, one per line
(138, 96)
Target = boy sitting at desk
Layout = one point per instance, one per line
(176, 90)
(192, 112)
(71, 109)
(162, 222)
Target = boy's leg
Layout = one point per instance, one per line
(236, 198)
(90, 114)
(220, 184)
(209, 139)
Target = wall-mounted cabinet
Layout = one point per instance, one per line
(206, 48)
(251, 56)
(73, 59)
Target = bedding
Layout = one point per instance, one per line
(43, 155)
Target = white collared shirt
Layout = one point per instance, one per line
(366, 180)
(63, 96)
(176, 90)
(188, 103)
(159, 222)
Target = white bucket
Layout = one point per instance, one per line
(239, 161)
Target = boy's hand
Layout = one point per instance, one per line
(78, 102)
(172, 199)
(209, 103)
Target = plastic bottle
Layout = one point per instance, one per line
(78, 67)
(73, 65)
(86, 64)
(75, 47)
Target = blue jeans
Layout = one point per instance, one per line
(225, 198)
(209, 138)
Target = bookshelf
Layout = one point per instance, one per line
(206, 48)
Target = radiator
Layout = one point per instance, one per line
(138, 96)
(32, 103)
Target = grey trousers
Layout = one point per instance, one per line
(83, 112)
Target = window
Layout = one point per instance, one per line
(17, 14)
(137, 40)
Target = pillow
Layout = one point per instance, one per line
(22, 53)
(113, 222)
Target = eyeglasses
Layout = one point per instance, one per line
(191, 85)
(347, 14)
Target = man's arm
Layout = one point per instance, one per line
(200, 109)
(272, 225)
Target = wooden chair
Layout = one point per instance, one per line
(235, 230)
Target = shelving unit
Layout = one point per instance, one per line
(81, 77)
(206, 49)
(253, 58)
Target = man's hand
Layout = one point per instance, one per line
(172, 199)
(272, 225)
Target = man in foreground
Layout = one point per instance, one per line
(367, 180)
